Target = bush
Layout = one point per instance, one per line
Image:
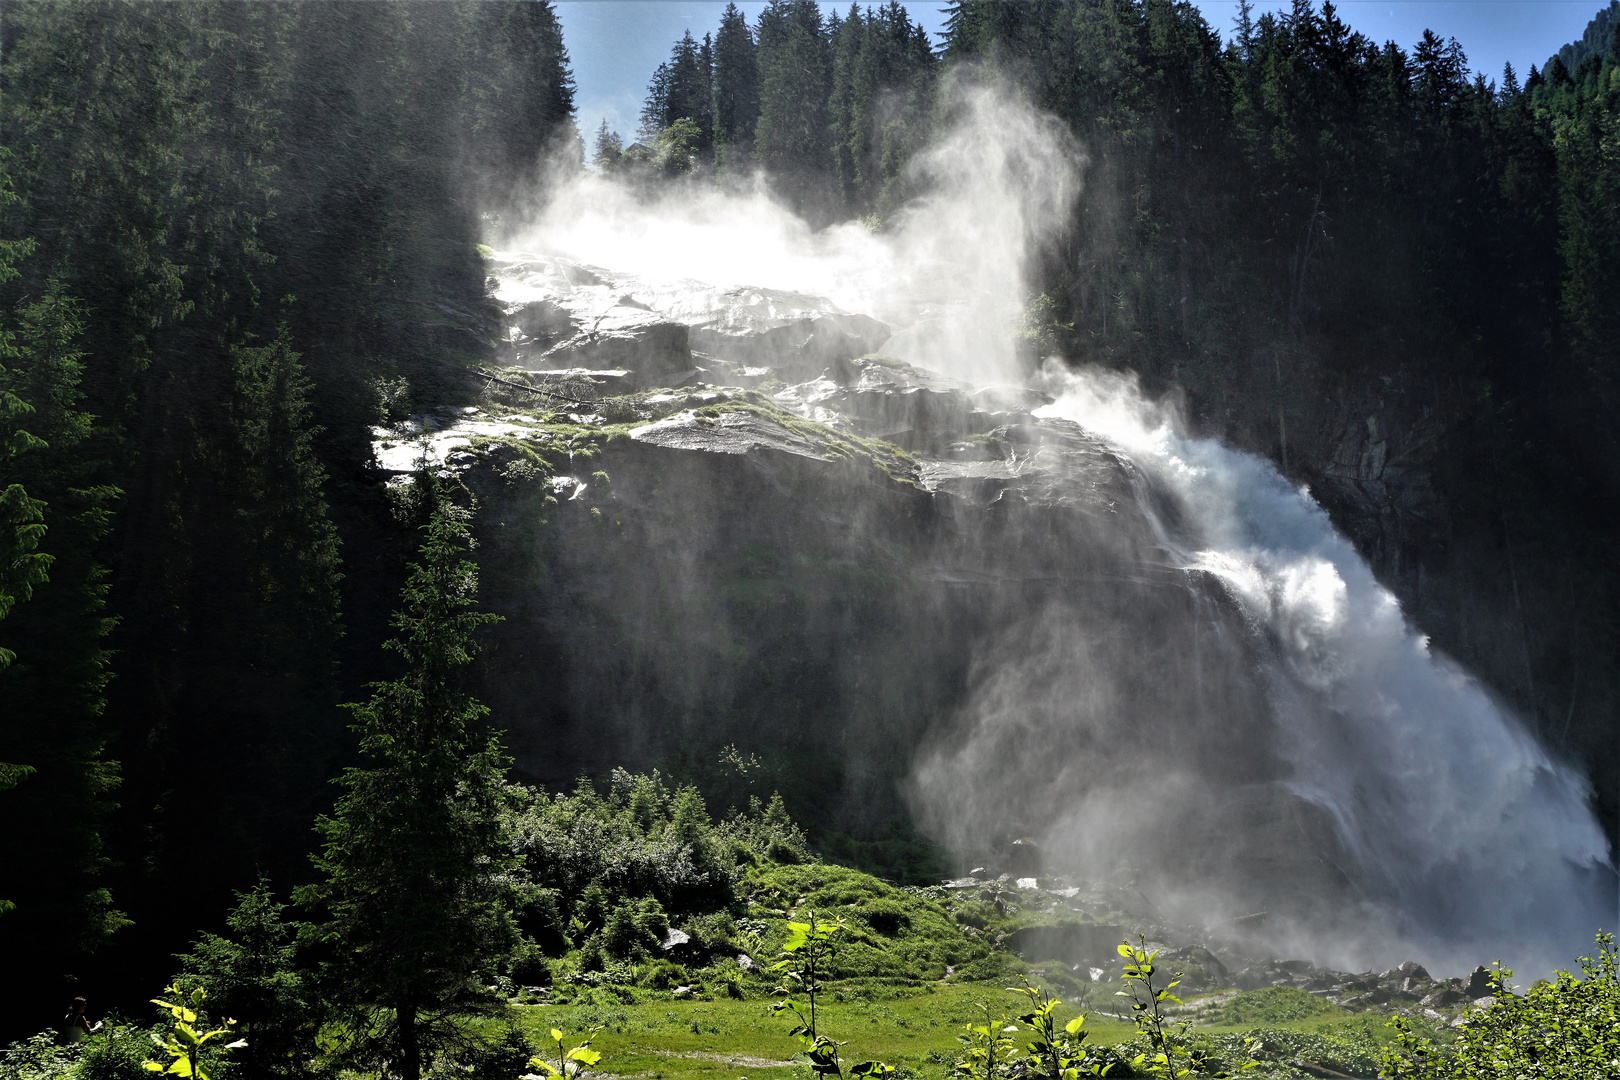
(717, 930)
(1567, 1029)
(38, 1058)
(497, 1059)
(662, 975)
(117, 1054)
(625, 936)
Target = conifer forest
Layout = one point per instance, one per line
(1090, 502)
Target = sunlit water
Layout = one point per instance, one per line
(1453, 813)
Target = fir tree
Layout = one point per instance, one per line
(792, 138)
(416, 899)
(608, 148)
(736, 88)
(253, 976)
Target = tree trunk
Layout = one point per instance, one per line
(410, 1053)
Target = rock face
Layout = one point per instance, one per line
(787, 543)
(562, 315)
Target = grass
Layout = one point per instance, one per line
(912, 1028)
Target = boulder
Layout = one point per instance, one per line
(1023, 858)
(1200, 969)
(1479, 984)
(627, 338)
(542, 322)
(798, 348)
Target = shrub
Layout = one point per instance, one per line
(662, 975)
(487, 1059)
(117, 1054)
(622, 937)
(1566, 1029)
(38, 1058)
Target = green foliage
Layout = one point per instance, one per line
(639, 854)
(989, 1049)
(927, 939)
(229, 216)
(802, 967)
(1565, 1029)
(571, 1061)
(416, 895)
(676, 149)
(1168, 1052)
(187, 1040)
(1054, 1053)
(117, 1053)
(1272, 1005)
(60, 679)
(39, 1057)
(253, 975)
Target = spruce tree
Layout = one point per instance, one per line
(416, 901)
(736, 88)
(792, 137)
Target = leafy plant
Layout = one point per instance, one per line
(570, 1062)
(1565, 1029)
(1055, 1056)
(185, 1043)
(1168, 1054)
(803, 964)
(990, 1048)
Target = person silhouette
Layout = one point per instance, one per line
(74, 1025)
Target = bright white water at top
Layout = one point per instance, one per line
(1467, 841)
(947, 272)
(1455, 816)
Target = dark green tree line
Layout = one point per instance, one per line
(831, 108)
(231, 223)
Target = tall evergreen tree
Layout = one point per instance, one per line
(415, 896)
(792, 137)
(55, 691)
(682, 89)
(736, 89)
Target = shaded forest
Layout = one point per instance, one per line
(230, 231)
(227, 225)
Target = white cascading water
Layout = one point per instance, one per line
(1455, 816)
(1469, 841)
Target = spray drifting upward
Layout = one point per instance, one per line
(1391, 777)
(947, 272)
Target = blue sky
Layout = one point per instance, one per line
(616, 44)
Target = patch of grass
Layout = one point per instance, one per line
(1272, 1005)
(913, 1028)
(892, 461)
(895, 934)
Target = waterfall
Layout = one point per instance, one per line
(1232, 713)
(1459, 824)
